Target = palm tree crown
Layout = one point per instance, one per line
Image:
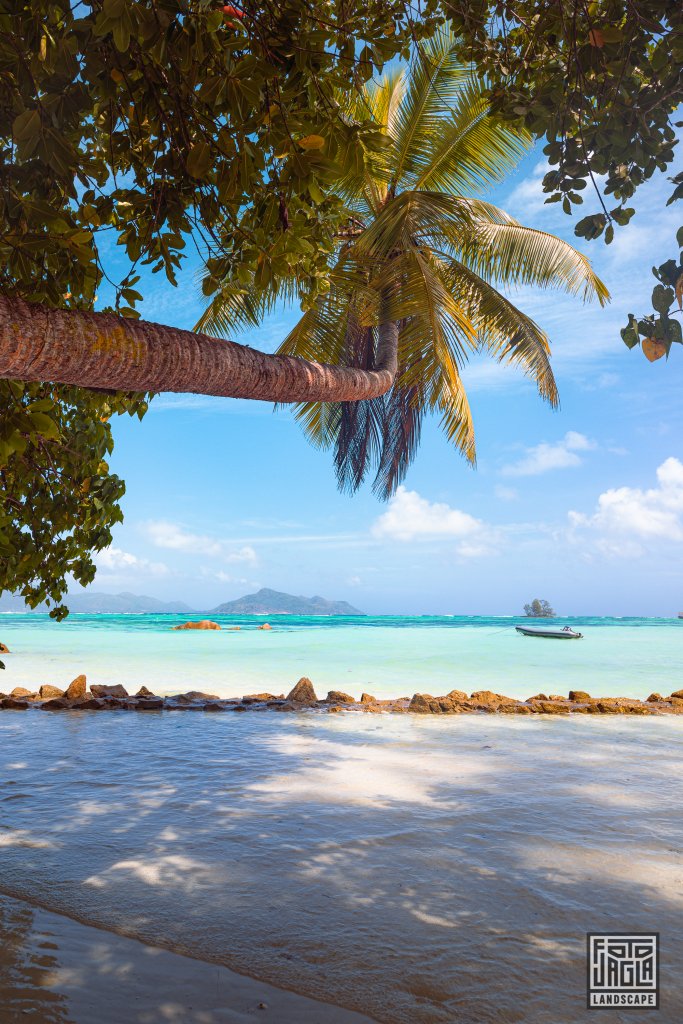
(420, 251)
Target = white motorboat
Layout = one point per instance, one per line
(550, 632)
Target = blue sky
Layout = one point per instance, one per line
(582, 506)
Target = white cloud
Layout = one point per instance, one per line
(220, 575)
(412, 517)
(629, 512)
(169, 535)
(601, 382)
(528, 194)
(505, 493)
(544, 457)
(476, 549)
(115, 560)
(245, 554)
(409, 515)
(164, 534)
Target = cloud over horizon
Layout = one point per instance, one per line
(625, 516)
(115, 561)
(164, 534)
(542, 458)
(409, 516)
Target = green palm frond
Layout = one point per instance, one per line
(408, 219)
(470, 151)
(358, 443)
(513, 254)
(383, 98)
(403, 412)
(319, 422)
(432, 89)
(229, 310)
(365, 177)
(321, 331)
(456, 420)
(504, 331)
(235, 307)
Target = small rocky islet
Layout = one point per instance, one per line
(78, 697)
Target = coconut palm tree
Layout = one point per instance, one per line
(419, 269)
(103, 351)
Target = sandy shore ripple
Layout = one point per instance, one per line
(54, 970)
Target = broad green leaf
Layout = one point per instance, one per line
(662, 298)
(199, 160)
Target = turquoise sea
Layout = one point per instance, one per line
(389, 656)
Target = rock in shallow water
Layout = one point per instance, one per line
(491, 699)
(253, 698)
(339, 697)
(76, 689)
(422, 703)
(47, 692)
(579, 695)
(425, 704)
(192, 696)
(56, 704)
(116, 690)
(148, 704)
(303, 692)
(548, 707)
(202, 624)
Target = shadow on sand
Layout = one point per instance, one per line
(420, 871)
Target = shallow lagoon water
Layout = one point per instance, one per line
(423, 871)
(388, 656)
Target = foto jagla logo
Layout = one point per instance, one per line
(623, 970)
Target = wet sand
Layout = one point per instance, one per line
(420, 869)
(54, 970)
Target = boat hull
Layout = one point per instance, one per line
(549, 634)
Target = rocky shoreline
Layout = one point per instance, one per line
(77, 697)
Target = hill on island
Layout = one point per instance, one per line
(274, 602)
(96, 604)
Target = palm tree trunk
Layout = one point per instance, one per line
(101, 350)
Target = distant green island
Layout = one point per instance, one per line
(263, 602)
(274, 602)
